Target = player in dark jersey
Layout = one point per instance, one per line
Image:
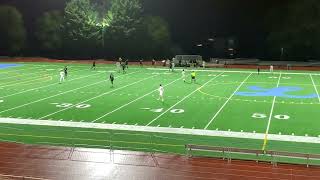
(258, 69)
(111, 77)
(93, 65)
(123, 65)
(126, 63)
(65, 71)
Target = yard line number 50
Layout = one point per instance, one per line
(69, 105)
(262, 116)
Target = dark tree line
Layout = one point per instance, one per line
(119, 28)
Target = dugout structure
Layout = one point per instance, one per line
(187, 60)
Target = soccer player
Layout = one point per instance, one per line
(118, 66)
(65, 71)
(203, 64)
(126, 63)
(193, 77)
(172, 66)
(111, 77)
(123, 65)
(93, 65)
(61, 76)
(258, 68)
(183, 73)
(161, 91)
(141, 63)
(271, 68)
(153, 62)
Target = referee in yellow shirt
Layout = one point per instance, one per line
(193, 77)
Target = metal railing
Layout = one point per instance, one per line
(258, 155)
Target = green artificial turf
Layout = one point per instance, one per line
(32, 91)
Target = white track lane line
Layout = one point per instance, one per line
(39, 100)
(315, 87)
(131, 102)
(96, 97)
(182, 99)
(217, 113)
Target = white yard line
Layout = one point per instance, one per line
(23, 82)
(132, 102)
(48, 85)
(246, 72)
(39, 100)
(96, 97)
(182, 99)
(217, 113)
(315, 87)
(51, 74)
(16, 70)
(197, 132)
(270, 115)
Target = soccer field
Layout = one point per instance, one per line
(225, 107)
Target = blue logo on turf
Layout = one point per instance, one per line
(278, 92)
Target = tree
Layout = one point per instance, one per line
(81, 29)
(48, 32)
(124, 16)
(124, 19)
(158, 40)
(12, 31)
(296, 28)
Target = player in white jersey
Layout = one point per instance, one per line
(183, 73)
(118, 66)
(203, 64)
(271, 68)
(161, 91)
(61, 76)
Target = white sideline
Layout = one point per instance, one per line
(205, 70)
(315, 87)
(131, 102)
(95, 97)
(183, 99)
(217, 113)
(200, 132)
(48, 97)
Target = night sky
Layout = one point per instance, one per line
(191, 21)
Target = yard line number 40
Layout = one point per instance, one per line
(262, 116)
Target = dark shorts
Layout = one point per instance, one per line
(193, 77)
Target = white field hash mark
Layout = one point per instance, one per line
(183, 99)
(217, 113)
(39, 100)
(270, 116)
(132, 102)
(96, 97)
(315, 87)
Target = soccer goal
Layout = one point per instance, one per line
(187, 60)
